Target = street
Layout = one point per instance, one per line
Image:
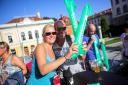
(114, 55)
(114, 51)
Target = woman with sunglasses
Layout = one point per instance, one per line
(11, 64)
(44, 63)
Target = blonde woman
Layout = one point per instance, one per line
(44, 63)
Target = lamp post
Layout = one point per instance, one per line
(100, 32)
(37, 36)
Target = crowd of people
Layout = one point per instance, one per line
(52, 57)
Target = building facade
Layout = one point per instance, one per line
(23, 34)
(119, 12)
(96, 18)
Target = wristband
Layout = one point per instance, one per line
(65, 57)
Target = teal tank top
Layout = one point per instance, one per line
(36, 78)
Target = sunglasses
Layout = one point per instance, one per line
(61, 29)
(49, 33)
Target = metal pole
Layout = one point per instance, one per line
(21, 43)
(100, 32)
(1, 39)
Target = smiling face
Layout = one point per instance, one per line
(61, 32)
(49, 34)
(4, 47)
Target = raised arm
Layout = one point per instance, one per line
(44, 68)
(18, 62)
(90, 43)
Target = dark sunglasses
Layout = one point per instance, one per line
(61, 29)
(49, 33)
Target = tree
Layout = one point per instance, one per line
(104, 26)
(46, 17)
(55, 19)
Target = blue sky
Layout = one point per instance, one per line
(10, 9)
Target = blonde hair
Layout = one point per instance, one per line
(5, 45)
(45, 27)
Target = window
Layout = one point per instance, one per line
(13, 51)
(125, 8)
(10, 39)
(123, 0)
(118, 11)
(98, 21)
(23, 36)
(30, 34)
(36, 34)
(116, 2)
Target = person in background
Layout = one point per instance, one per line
(32, 49)
(27, 58)
(60, 47)
(125, 28)
(89, 39)
(125, 46)
(44, 63)
(10, 63)
(124, 39)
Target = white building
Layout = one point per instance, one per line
(23, 34)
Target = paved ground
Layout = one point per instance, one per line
(114, 51)
(114, 54)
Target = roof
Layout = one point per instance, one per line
(105, 12)
(20, 19)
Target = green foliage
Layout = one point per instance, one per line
(55, 19)
(115, 40)
(104, 26)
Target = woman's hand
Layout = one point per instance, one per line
(73, 49)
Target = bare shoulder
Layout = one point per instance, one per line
(39, 46)
(40, 49)
(15, 58)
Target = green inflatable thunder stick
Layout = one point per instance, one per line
(78, 29)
